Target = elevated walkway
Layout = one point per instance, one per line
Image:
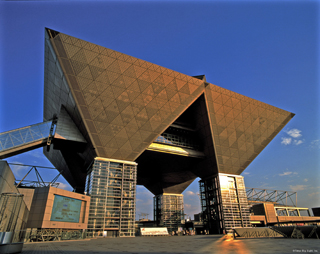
(24, 139)
(62, 132)
(164, 148)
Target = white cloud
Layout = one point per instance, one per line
(191, 209)
(314, 194)
(285, 173)
(298, 142)
(36, 154)
(315, 143)
(18, 171)
(286, 141)
(265, 185)
(187, 206)
(295, 133)
(306, 180)
(288, 173)
(297, 187)
(246, 173)
(190, 193)
(65, 186)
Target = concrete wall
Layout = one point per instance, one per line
(6, 178)
(42, 204)
(271, 215)
(27, 195)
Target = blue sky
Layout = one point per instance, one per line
(266, 50)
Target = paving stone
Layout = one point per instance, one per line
(176, 245)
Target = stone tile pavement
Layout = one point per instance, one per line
(176, 245)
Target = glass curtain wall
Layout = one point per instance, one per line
(112, 187)
(224, 203)
(168, 211)
(211, 205)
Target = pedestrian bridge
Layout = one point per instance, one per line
(25, 139)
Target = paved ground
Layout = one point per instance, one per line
(175, 244)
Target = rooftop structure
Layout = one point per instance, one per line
(268, 214)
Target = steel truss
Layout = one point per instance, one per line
(39, 182)
(286, 198)
(255, 232)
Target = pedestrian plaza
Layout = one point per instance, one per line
(176, 244)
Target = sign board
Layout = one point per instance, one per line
(154, 231)
(66, 209)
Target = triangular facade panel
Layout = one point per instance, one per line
(130, 92)
(242, 123)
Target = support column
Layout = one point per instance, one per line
(112, 187)
(224, 203)
(168, 211)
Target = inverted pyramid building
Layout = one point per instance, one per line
(121, 105)
(112, 121)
